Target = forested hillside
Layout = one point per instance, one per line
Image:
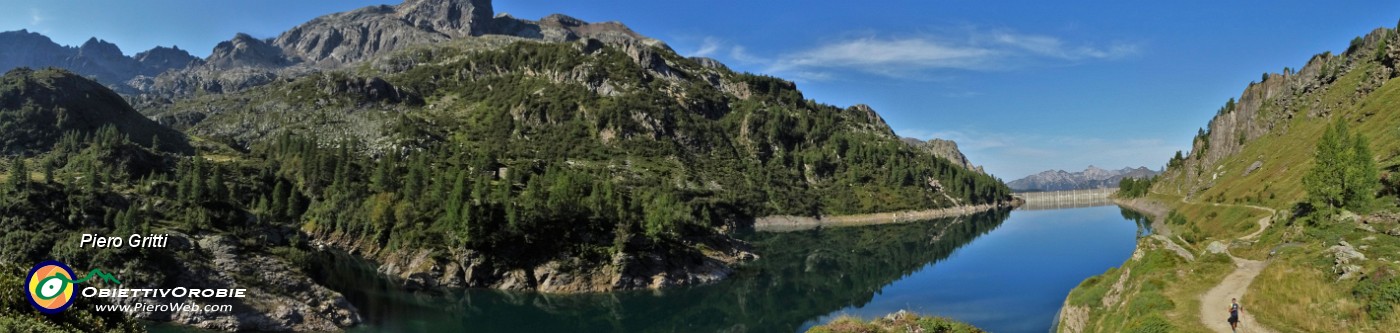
(491, 150)
(495, 155)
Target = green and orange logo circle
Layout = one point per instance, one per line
(49, 287)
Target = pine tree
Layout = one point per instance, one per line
(413, 183)
(196, 180)
(294, 204)
(262, 208)
(48, 172)
(1363, 177)
(217, 189)
(19, 174)
(91, 177)
(452, 207)
(280, 196)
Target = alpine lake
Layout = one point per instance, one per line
(1003, 271)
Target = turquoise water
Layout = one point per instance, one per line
(1002, 271)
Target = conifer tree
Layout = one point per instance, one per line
(280, 194)
(48, 172)
(19, 174)
(1363, 177)
(1344, 174)
(217, 189)
(294, 204)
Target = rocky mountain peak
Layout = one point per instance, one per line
(245, 51)
(876, 122)
(946, 149)
(455, 18)
(562, 20)
(162, 57)
(24, 48)
(1096, 173)
(101, 49)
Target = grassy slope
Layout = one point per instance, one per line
(899, 322)
(1298, 290)
(1161, 292)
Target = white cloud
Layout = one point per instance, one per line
(708, 47)
(1055, 48)
(741, 54)
(35, 17)
(889, 57)
(918, 57)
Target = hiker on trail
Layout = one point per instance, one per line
(1234, 314)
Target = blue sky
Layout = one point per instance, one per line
(1023, 86)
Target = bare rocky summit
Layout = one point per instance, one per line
(946, 149)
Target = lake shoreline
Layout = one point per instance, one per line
(783, 223)
(1154, 209)
(1074, 319)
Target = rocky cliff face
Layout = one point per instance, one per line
(1268, 106)
(1092, 177)
(947, 149)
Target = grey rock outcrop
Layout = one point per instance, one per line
(1217, 247)
(1346, 260)
(1270, 105)
(454, 18)
(1253, 167)
(423, 270)
(245, 51)
(946, 149)
(873, 121)
(363, 33)
(279, 298)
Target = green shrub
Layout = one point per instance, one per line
(1380, 291)
(1152, 324)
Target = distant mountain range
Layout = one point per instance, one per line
(1091, 177)
(96, 58)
